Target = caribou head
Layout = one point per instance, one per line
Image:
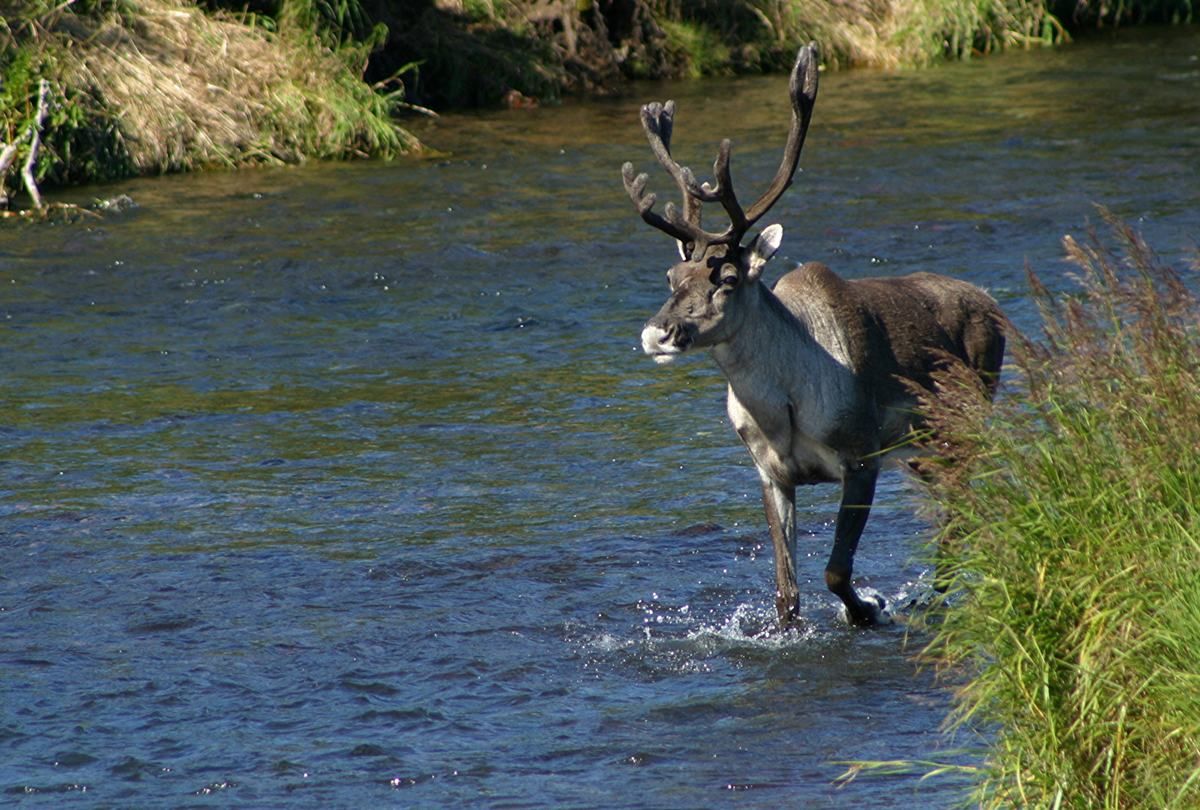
(707, 285)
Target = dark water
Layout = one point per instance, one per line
(347, 486)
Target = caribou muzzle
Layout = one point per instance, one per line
(665, 341)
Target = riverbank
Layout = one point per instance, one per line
(1071, 543)
(98, 91)
(152, 86)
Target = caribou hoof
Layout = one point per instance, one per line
(874, 611)
(879, 608)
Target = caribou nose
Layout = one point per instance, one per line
(655, 339)
(663, 344)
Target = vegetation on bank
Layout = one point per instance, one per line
(151, 86)
(542, 48)
(147, 86)
(1071, 543)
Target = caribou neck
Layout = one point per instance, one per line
(772, 358)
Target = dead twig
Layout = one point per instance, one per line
(35, 142)
(8, 151)
(7, 154)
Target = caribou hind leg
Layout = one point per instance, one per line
(858, 492)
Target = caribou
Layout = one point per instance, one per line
(821, 371)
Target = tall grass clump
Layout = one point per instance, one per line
(1071, 542)
(76, 140)
(192, 89)
(762, 34)
(929, 30)
(151, 86)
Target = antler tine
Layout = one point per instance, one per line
(802, 87)
(635, 186)
(658, 121)
(723, 193)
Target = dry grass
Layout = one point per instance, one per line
(158, 86)
(905, 33)
(886, 34)
(191, 90)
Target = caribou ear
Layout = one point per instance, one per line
(763, 248)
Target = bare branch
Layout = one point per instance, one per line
(7, 154)
(35, 141)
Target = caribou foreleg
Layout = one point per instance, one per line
(858, 492)
(779, 503)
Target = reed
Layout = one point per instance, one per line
(1071, 542)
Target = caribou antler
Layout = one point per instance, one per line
(802, 87)
(658, 121)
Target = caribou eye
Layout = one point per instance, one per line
(724, 276)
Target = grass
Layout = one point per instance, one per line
(475, 55)
(763, 34)
(152, 86)
(697, 48)
(149, 86)
(1071, 542)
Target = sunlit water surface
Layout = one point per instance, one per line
(347, 486)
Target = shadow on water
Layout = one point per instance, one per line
(348, 485)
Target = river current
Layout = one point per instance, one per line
(349, 486)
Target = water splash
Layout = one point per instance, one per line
(683, 640)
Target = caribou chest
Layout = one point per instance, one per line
(782, 449)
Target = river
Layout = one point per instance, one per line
(349, 486)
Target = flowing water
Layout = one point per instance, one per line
(348, 486)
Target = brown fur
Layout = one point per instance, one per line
(899, 326)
